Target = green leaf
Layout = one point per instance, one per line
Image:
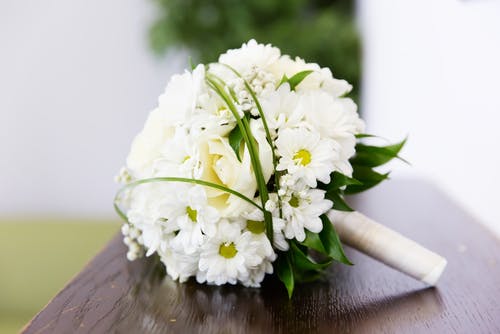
(368, 177)
(339, 180)
(373, 156)
(313, 241)
(364, 135)
(302, 262)
(235, 140)
(338, 202)
(296, 79)
(331, 241)
(308, 276)
(285, 273)
(284, 79)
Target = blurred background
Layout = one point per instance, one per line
(77, 79)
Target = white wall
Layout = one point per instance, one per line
(432, 70)
(76, 82)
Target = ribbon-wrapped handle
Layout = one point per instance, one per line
(388, 246)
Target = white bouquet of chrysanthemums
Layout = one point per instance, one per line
(235, 171)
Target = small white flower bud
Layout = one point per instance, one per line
(269, 87)
(134, 233)
(131, 256)
(254, 111)
(127, 241)
(134, 247)
(270, 205)
(246, 106)
(243, 94)
(125, 229)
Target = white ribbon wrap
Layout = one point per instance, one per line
(388, 246)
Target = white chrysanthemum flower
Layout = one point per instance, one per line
(155, 238)
(179, 266)
(204, 125)
(228, 256)
(179, 100)
(193, 216)
(148, 213)
(148, 145)
(302, 210)
(176, 106)
(280, 109)
(254, 222)
(256, 275)
(336, 87)
(306, 155)
(211, 118)
(279, 240)
(332, 117)
(252, 62)
(289, 183)
(251, 55)
(180, 157)
(335, 118)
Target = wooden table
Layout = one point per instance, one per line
(112, 295)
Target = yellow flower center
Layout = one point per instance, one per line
(304, 157)
(192, 214)
(255, 226)
(228, 250)
(186, 158)
(294, 202)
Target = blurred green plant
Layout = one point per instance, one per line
(321, 31)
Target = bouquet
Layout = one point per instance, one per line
(242, 166)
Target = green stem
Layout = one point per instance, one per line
(266, 129)
(242, 123)
(177, 179)
(264, 195)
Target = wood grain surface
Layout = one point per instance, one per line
(112, 295)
